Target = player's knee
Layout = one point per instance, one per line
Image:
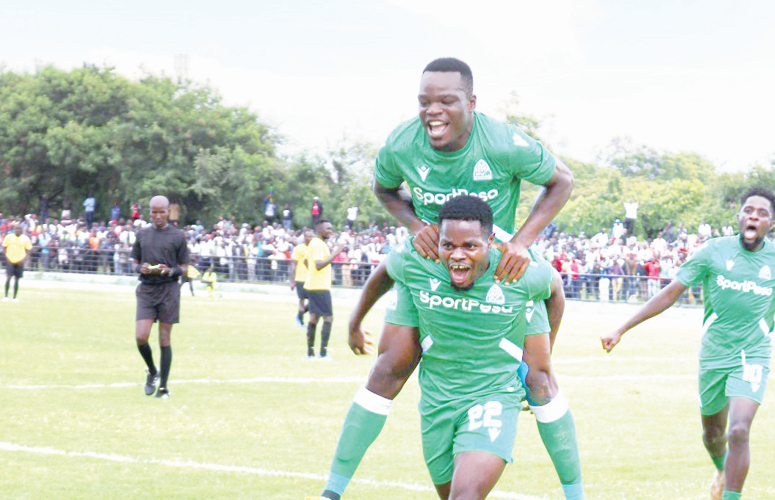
(467, 492)
(738, 434)
(713, 434)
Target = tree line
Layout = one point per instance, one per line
(67, 135)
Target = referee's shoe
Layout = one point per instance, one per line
(150, 382)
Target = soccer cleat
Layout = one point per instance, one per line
(163, 393)
(717, 486)
(150, 383)
(5, 299)
(15, 300)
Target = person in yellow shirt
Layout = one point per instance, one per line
(16, 247)
(299, 274)
(318, 286)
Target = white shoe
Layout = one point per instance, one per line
(5, 299)
(16, 300)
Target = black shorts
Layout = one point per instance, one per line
(300, 291)
(159, 302)
(14, 270)
(320, 302)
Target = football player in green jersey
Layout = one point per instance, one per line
(738, 283)
(451, 150)
(466, 321)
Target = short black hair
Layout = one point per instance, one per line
(467, 207)
(450, 64)
(760, 191)
(321, 221)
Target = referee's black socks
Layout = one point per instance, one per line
(145, 352)
(166, 362)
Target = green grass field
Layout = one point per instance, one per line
(250, 417)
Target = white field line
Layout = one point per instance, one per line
(329, 380)
(10, 447)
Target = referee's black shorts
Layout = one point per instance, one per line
(159, 302)
(320, 302)
(14, 270)
(300, 291)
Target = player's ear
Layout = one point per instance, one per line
(472, 103)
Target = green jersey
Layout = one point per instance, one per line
(470, 338)
(739, 300)
(496, 157)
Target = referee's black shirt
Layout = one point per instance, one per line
(160, 246)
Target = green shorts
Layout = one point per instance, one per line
(746, 380)
(488, 424)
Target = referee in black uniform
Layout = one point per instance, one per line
(160, 255)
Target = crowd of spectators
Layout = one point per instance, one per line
(236, 252)
(607, 266)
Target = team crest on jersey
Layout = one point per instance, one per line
(482, 171)
(435, 284)
(423, 170)
(730, 264)
(520, 141)
(765, 273)
(495, 296)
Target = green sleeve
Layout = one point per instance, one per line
(530, 159)
(693, 270)
(400, 309)
(386, 171)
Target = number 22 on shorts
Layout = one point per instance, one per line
(490, 411)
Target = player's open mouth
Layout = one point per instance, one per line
(436, 128)
(750, 232)
(459, 273)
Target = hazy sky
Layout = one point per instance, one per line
(676, 75)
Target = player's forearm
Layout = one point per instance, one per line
(320, 264)
(376, 286)
(555, 308)
(400, 208)
(658, 304)
(550, 201)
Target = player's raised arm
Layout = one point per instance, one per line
(660, 302)
(550, 201)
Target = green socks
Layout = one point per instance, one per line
(730, 495)
(719, 461)
(362, 425)
(558, 432)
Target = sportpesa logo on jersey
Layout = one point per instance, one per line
(466, 305)
(745, 286)
(427, 198)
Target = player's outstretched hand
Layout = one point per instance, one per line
(426, 242)
(360, 341)
(610, 340)
(513, 263)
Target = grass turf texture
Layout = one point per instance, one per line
(250, 417)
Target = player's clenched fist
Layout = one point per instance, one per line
(426, 242)
(610, 340)
(360, 341)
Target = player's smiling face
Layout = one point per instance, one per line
(446, 110)
(464, 250)
(755, 221)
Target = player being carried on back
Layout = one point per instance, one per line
(450, 150)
